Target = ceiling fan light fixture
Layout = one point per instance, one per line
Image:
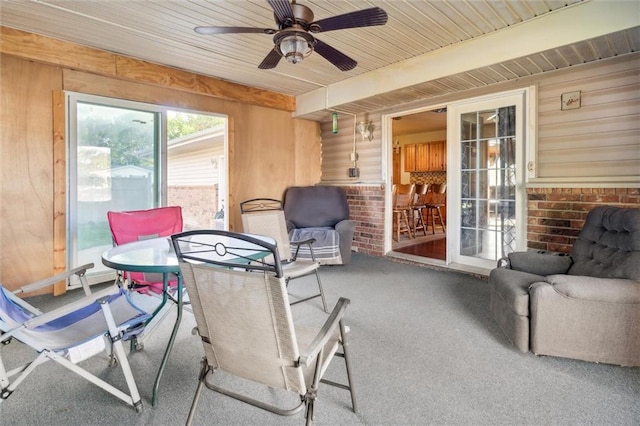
(294, 45)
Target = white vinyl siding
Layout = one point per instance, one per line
(337, 149)
(199, 168)
(602, 137)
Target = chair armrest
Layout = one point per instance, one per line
(308, 241)
(539, 263)
(71, 307)
(609, 290)
(345, 225)
(298, 243)
(333, 321)
(79, 271)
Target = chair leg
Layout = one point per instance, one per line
(433, 220)
(441, 221)
(397, 222)
(324, 302)
(419, 223)
(405, 216)
(321, 293)
(204, 370)
(347, 362)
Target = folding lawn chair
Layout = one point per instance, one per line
(243, 316)
(71, 333)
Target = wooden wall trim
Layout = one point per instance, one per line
(59, 190)
(158, 75)
(47, 50)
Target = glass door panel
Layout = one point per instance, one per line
(114, 164)
(488, 203)
(488, 183)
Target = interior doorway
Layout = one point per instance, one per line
(420, 162)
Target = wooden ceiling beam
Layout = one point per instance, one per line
(70, 55)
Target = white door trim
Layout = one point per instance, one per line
(522, 99)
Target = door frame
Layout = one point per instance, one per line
(525, 123)
(70, 116)
(387, 132)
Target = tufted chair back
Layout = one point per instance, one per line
(608, 245)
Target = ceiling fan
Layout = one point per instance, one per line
(293, 39)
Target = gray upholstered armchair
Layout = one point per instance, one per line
(322, 213)
(585, 305)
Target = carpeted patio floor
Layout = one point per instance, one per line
(424, 348)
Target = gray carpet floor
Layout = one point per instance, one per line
(425, 351)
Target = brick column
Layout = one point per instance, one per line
(366, 208)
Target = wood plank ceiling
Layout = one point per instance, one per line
(161, 31)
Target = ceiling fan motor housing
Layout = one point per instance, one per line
(302, 14)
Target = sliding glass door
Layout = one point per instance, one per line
(126, 155)
(113, 164)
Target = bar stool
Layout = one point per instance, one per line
(435, 200)
(402, 201)
(419, 203)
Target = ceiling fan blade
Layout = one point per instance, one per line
(361, 18)
(271, 60)
(232, 30)
(283, 11)
(337, 58)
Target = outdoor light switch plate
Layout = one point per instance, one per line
(571, 100)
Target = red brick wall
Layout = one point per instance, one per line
(366, 208)
(556, 215)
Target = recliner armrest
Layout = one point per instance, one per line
(290, 225)
(610, 290)
(545, 263)
(346, 225)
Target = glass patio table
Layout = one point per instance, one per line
(154, 255)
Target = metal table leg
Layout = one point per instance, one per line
(165, 281)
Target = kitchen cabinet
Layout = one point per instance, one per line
(422, 156)
(437, 156)
(410, 157)
(425, 157)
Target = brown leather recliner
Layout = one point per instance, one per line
(584, 306)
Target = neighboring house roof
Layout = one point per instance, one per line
(203, 139)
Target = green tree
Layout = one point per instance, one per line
(128, 134)
(183, 124)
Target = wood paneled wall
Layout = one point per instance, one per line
(269, 150)
(26, 170)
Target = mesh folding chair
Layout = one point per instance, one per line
(243, 316)
(71, 333)
(136, 225)
(265, 216)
